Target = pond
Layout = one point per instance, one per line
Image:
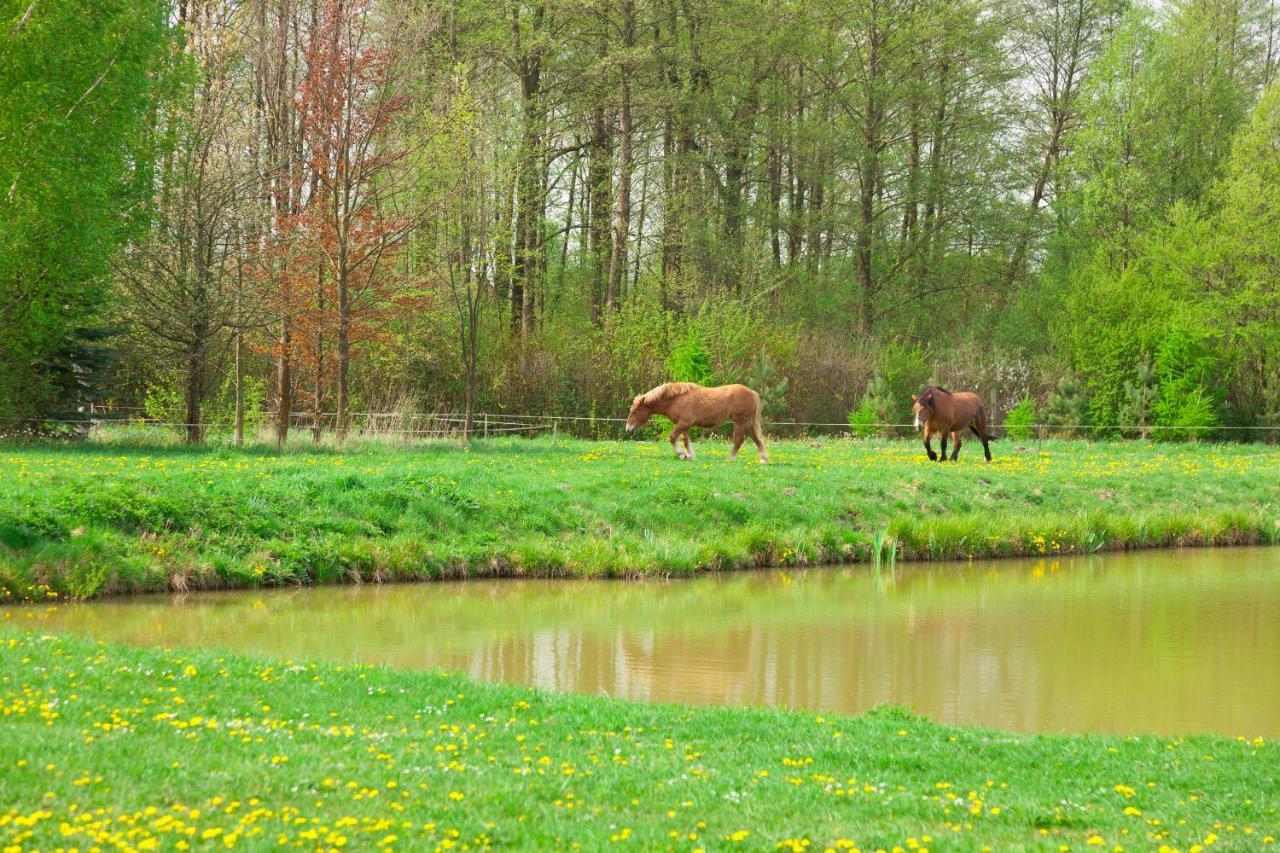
(1165, 642)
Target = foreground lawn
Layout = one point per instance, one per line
(85, 521)
(111, 746)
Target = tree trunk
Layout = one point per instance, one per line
(239, 384)
(622, 223)
(195, 389)
(284, 386)
(599, 171)
(344, 358)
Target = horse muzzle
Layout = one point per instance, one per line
(919, 424)
(631, 428)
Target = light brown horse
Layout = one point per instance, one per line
(691, 405)
(939, 411)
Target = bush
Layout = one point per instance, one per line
(903, 370)
(689, 361)
(1067, 408)
(1139, 397)
(1021, 420)
(1195, 418)
(772, 388)
(864, 419)
(1184, 367)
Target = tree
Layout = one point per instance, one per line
(350, 233)
(183, 276)
(79, 83)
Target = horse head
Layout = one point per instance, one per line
(923, 405)
(639, 414)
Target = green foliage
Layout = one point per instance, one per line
(222, 409)
(1067, 409)
(1195, 417)
(1021, 420)
(903, 370)
(1139, 399)
(689, 362)
(864, 421)
(164, 403)
(1184, 367)
(77, 80)
(772, 388)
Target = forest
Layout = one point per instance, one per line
(251, 215)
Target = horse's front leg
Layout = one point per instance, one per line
(674, 438)
(928, 448)
(943, 457)
(688, 445)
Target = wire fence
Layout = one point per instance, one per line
(105, 423)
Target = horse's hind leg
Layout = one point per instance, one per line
(943, 457)
(955, 439)
(739, 435)
(979, 428)
(758, 437)
(688, 445)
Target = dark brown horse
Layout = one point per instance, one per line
(940, 412)
(691, 405)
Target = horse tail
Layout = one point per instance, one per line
(755, 423)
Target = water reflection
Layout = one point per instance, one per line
(1159, 642)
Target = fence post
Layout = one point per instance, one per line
(555, 430)
(486, 425)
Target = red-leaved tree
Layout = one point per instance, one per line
(349, 232)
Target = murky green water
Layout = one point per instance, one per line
(1160, 642)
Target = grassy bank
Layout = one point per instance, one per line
(110, 746)
(94, 520)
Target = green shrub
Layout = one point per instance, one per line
(1195, 418)
(772, 388)
(689, 361)
(1139, 398)
(1021, 420)
(864, 419)
(1184, 368)
(1067, 409)
(903, 370)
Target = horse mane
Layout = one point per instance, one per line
(667, 391)
(934, 388)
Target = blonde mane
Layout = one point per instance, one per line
(668, 390)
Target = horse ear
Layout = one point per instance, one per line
(914, 398)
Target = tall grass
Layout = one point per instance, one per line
(101, 519)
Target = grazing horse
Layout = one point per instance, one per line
(691, 405)
(939, 411)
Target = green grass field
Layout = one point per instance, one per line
(85, 521)
(158, 749)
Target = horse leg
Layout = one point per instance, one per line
(739, 434)
(980, 430)
(928, 448)
(674, 438)
(758, 437)
(955, 440)
(943, 457)
(688, 445)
